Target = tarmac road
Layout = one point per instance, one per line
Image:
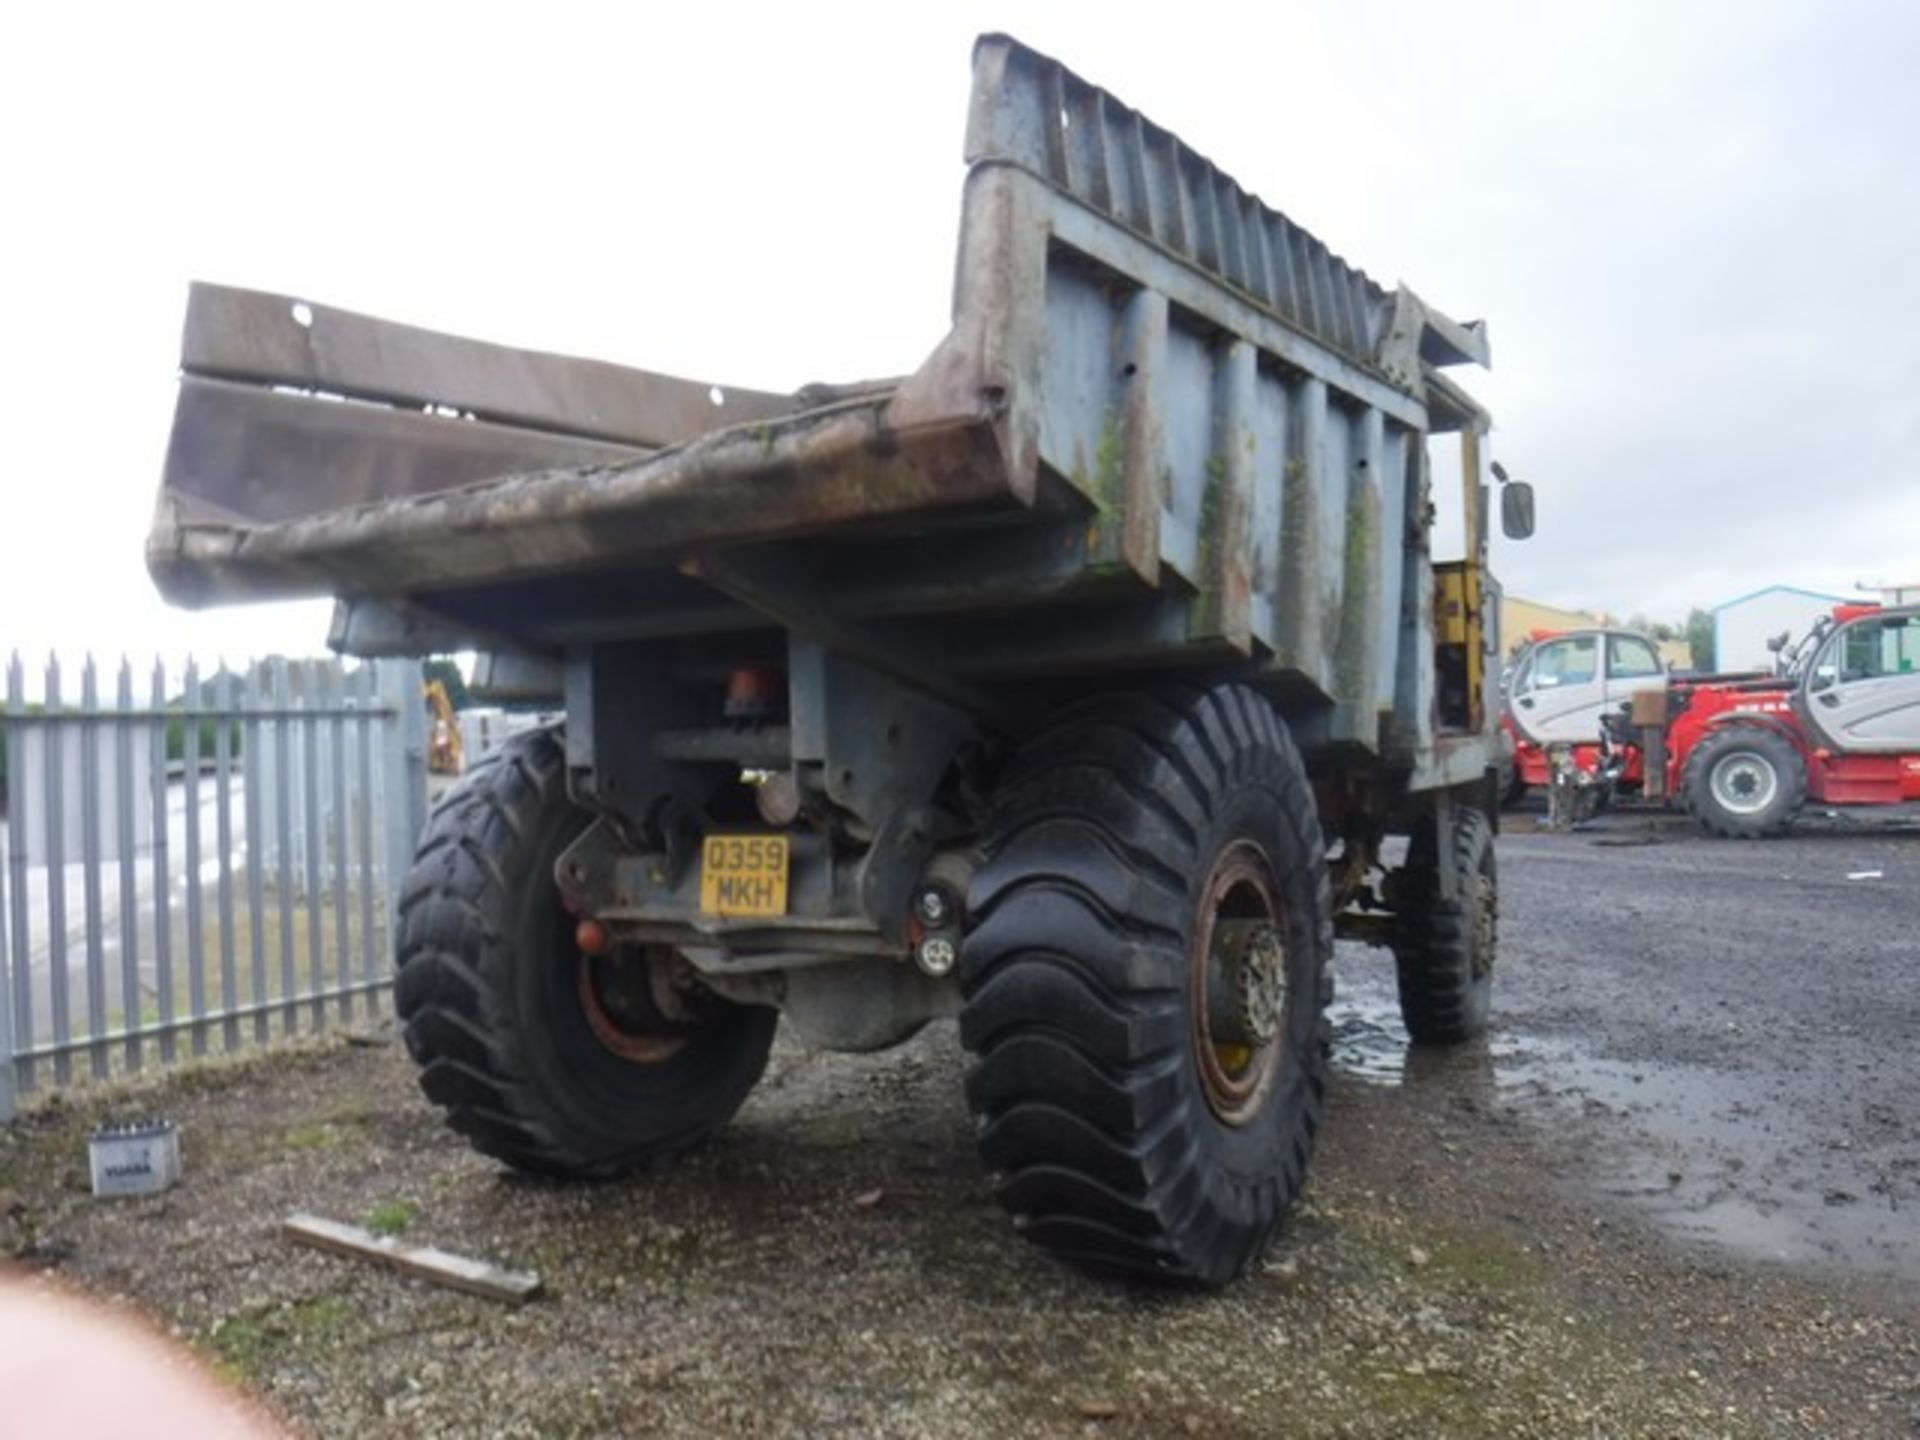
(1733, 1027)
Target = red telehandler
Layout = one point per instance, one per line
(1839, 726)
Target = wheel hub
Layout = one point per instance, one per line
(1744, 784)
(1263, 983)
(616, 996)
(1239, 981)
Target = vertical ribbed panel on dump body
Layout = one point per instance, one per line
(1034, 113)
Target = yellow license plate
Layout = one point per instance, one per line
(744, 875)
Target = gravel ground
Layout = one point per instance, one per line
(1746, 1015)
(1494, 1243)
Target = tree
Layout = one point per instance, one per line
(1700, 639)
(1656, 629)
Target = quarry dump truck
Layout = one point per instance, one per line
(1071, 685)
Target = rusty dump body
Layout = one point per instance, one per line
(1070, 684)
(1168, 435)
(1166, 427)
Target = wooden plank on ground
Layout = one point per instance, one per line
(456, 1272)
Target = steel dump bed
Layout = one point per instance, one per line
(1072, 685)
(1166, 425)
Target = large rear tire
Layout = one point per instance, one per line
(1444, 950)
(1146, 981)
(1745, 782)
(540, 1056)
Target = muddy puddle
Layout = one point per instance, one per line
(1700, 1152)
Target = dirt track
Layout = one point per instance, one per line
(1704, 1060)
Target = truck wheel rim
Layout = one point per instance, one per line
(1239, 983)
(617, 1012)
(1744, 783)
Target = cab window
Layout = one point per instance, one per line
(1630, 658)
(1903, 646)
(1566, 662)
(1873, 650)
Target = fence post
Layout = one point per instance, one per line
(224, 706)
(126, 817)
(336, 697)
(366, 699)
(7, 1098)
(254, 768)
(403, 779)
(196, 956)
(92, 863)
(162, 867)
(53, 769)
(413, 720)
(313, 839)
(19, 1035)
(283, 838)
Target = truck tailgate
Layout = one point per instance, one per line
(315, 451)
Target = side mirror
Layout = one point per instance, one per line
(1516, 509)
(1778, 642)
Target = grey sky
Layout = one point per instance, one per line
(1693, 229)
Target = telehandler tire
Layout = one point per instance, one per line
(1146, 981)
(1444, 950)
(1744, 782)
(542, 1057)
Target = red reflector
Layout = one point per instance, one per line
(752, 691)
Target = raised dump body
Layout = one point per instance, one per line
(1168, 425)
(1034, 684)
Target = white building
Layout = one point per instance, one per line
(1742, 627)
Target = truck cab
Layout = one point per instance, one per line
(1561, 685)
(1860, 693)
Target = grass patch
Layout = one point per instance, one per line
(1421, 1403)
(245, 1346)
(392, 1217)
(313, 1137)
(1483, 1264)
(239, 1344)
(320, 1320)
(842, 1128)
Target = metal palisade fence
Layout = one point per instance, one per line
(203, 866)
